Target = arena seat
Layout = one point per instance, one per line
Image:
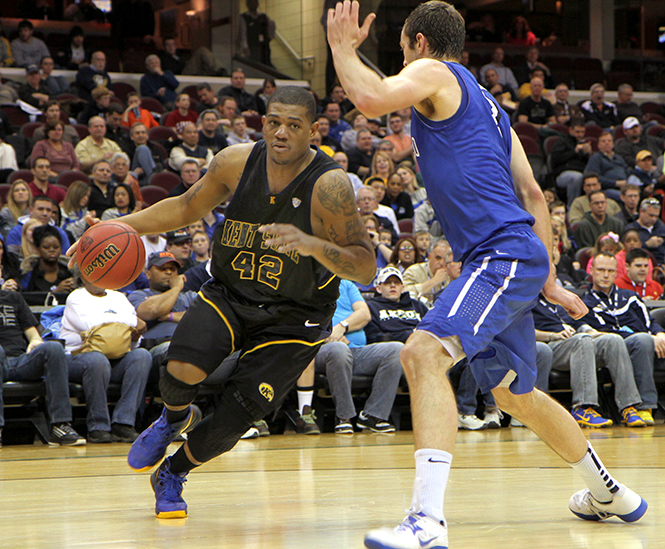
(121, 89)
(162, 133)
(29, 129)
(4, 191)
(165, 180)
(153, 194)
(17, 117)
(151, 104)
(592, 130)
(26, 175)
(524, 128)
(651, 107)
(65, 179)
(82, 130)
(405, 226)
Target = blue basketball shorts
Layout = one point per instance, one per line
(489, 308)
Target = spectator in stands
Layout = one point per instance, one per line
(625, 105)
(76, 55)
(424, 219)
(52, 114)
(240, 134)
(189, 148)
(612, 310)
(24, 356)
(361, 157)
(394, 314)
(346, 353)
(157, 83)
(577, 348)
(506, 76)
(10, 274)
(146, 157)
(645, 175)
(483, 30)
(343, 160)
(611, 169)
(569, 157)
(532, 62)
(45, 211)
(120, 174)
(338, 126)
(426, 280)
(101, 188)
(564, 112)
(399, 139)
(379, 188)
(19, 204)
(410, 185)
(405, 253)
(114, 128)
(169, 57)
(84, 10)
(207, 99)
(89, 308)
(47, 272)
(93, 75)
(465, 62)
(255, 31)
(34, 91)
(101, 99)
(504, 95)
(26, 246)
(367, 203)
(326, 139)
(211, 221)
(596, 222)
(95, 146)
(153, 243)
(520, 33)
(59, 154)
(631, 240)
(635, 141)
(535, 109)
(74, 208)
(26, 49)
(581, 204)
(606, 242)
(40, 186)
(8, 162)
(190, 172)
(181, 114)
(635, 277)
(397, 198)
(599, 111)
(245, 100)
(134, 113)
(337, 95)
(55, 84)
(650, 228)
(209, 136)
(525, 89)
(382, 247)
(124, 203)
(179, 243)
(348, 140)
(228, 109)
(6, 57)
(201, 246)
(382, 166)
(263, 94)
(630, 201)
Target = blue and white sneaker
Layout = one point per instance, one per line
(626, 504)
(416, 531)
(168, 492)
(149, 449)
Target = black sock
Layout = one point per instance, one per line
(180, 462)
(173, 416)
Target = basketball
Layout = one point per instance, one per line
(110, 255)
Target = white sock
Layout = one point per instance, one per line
(305, 399)
(600, 483)
(432, 468)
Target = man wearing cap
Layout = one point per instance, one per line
(99, 106)
(650, 228)
(34, 92)
(635, 141)
(645, 174)
(599, 111)
(394, 313)
(179, 244)
(27, 49)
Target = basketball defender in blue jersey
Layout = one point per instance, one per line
(494, 215)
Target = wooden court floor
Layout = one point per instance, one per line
(506, 490)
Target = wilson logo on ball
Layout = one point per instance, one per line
(102, 259)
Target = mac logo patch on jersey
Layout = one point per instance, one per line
(267, 391)
(296, 202)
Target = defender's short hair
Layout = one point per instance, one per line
(443, 27)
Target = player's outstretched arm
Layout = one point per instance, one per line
(206, 194)
(340, 241)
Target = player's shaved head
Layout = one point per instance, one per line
(293, 95)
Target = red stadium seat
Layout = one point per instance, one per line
(549, 143)
(65, 179)
(656, 131)
(527, 129)
(165, 180)
(121, 89)
(405, 226)
(592, 130)
(17, 117)
(529, 145)
(82, 130)
(29, 129)
(648, 117)
(26, 175)
(561, 128)
(4, 191)
(651, 106)
(254, 122)
(618, 132)
(162, 133)
(153, 194)
(151, 104)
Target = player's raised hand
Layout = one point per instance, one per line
(343, 25)
(285, 237)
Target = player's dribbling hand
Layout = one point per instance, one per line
(572, 303)
(71, 252)
(343, 24)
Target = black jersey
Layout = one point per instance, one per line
(240, 257)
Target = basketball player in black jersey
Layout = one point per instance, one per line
(292, 228)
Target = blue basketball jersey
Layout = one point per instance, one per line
(465, 164)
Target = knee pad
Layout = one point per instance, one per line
(175, 392)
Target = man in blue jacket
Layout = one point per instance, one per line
(157, 83)
(613, 310)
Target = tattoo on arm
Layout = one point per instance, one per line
(214, 165)
(341, 267)
(191, 194)
(336, 196)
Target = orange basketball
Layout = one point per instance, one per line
(110, 255)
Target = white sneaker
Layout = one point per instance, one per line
(625, 504)
(252, 432)
(416, 531)
(493, 420)
(515, 423)
(470, 423)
